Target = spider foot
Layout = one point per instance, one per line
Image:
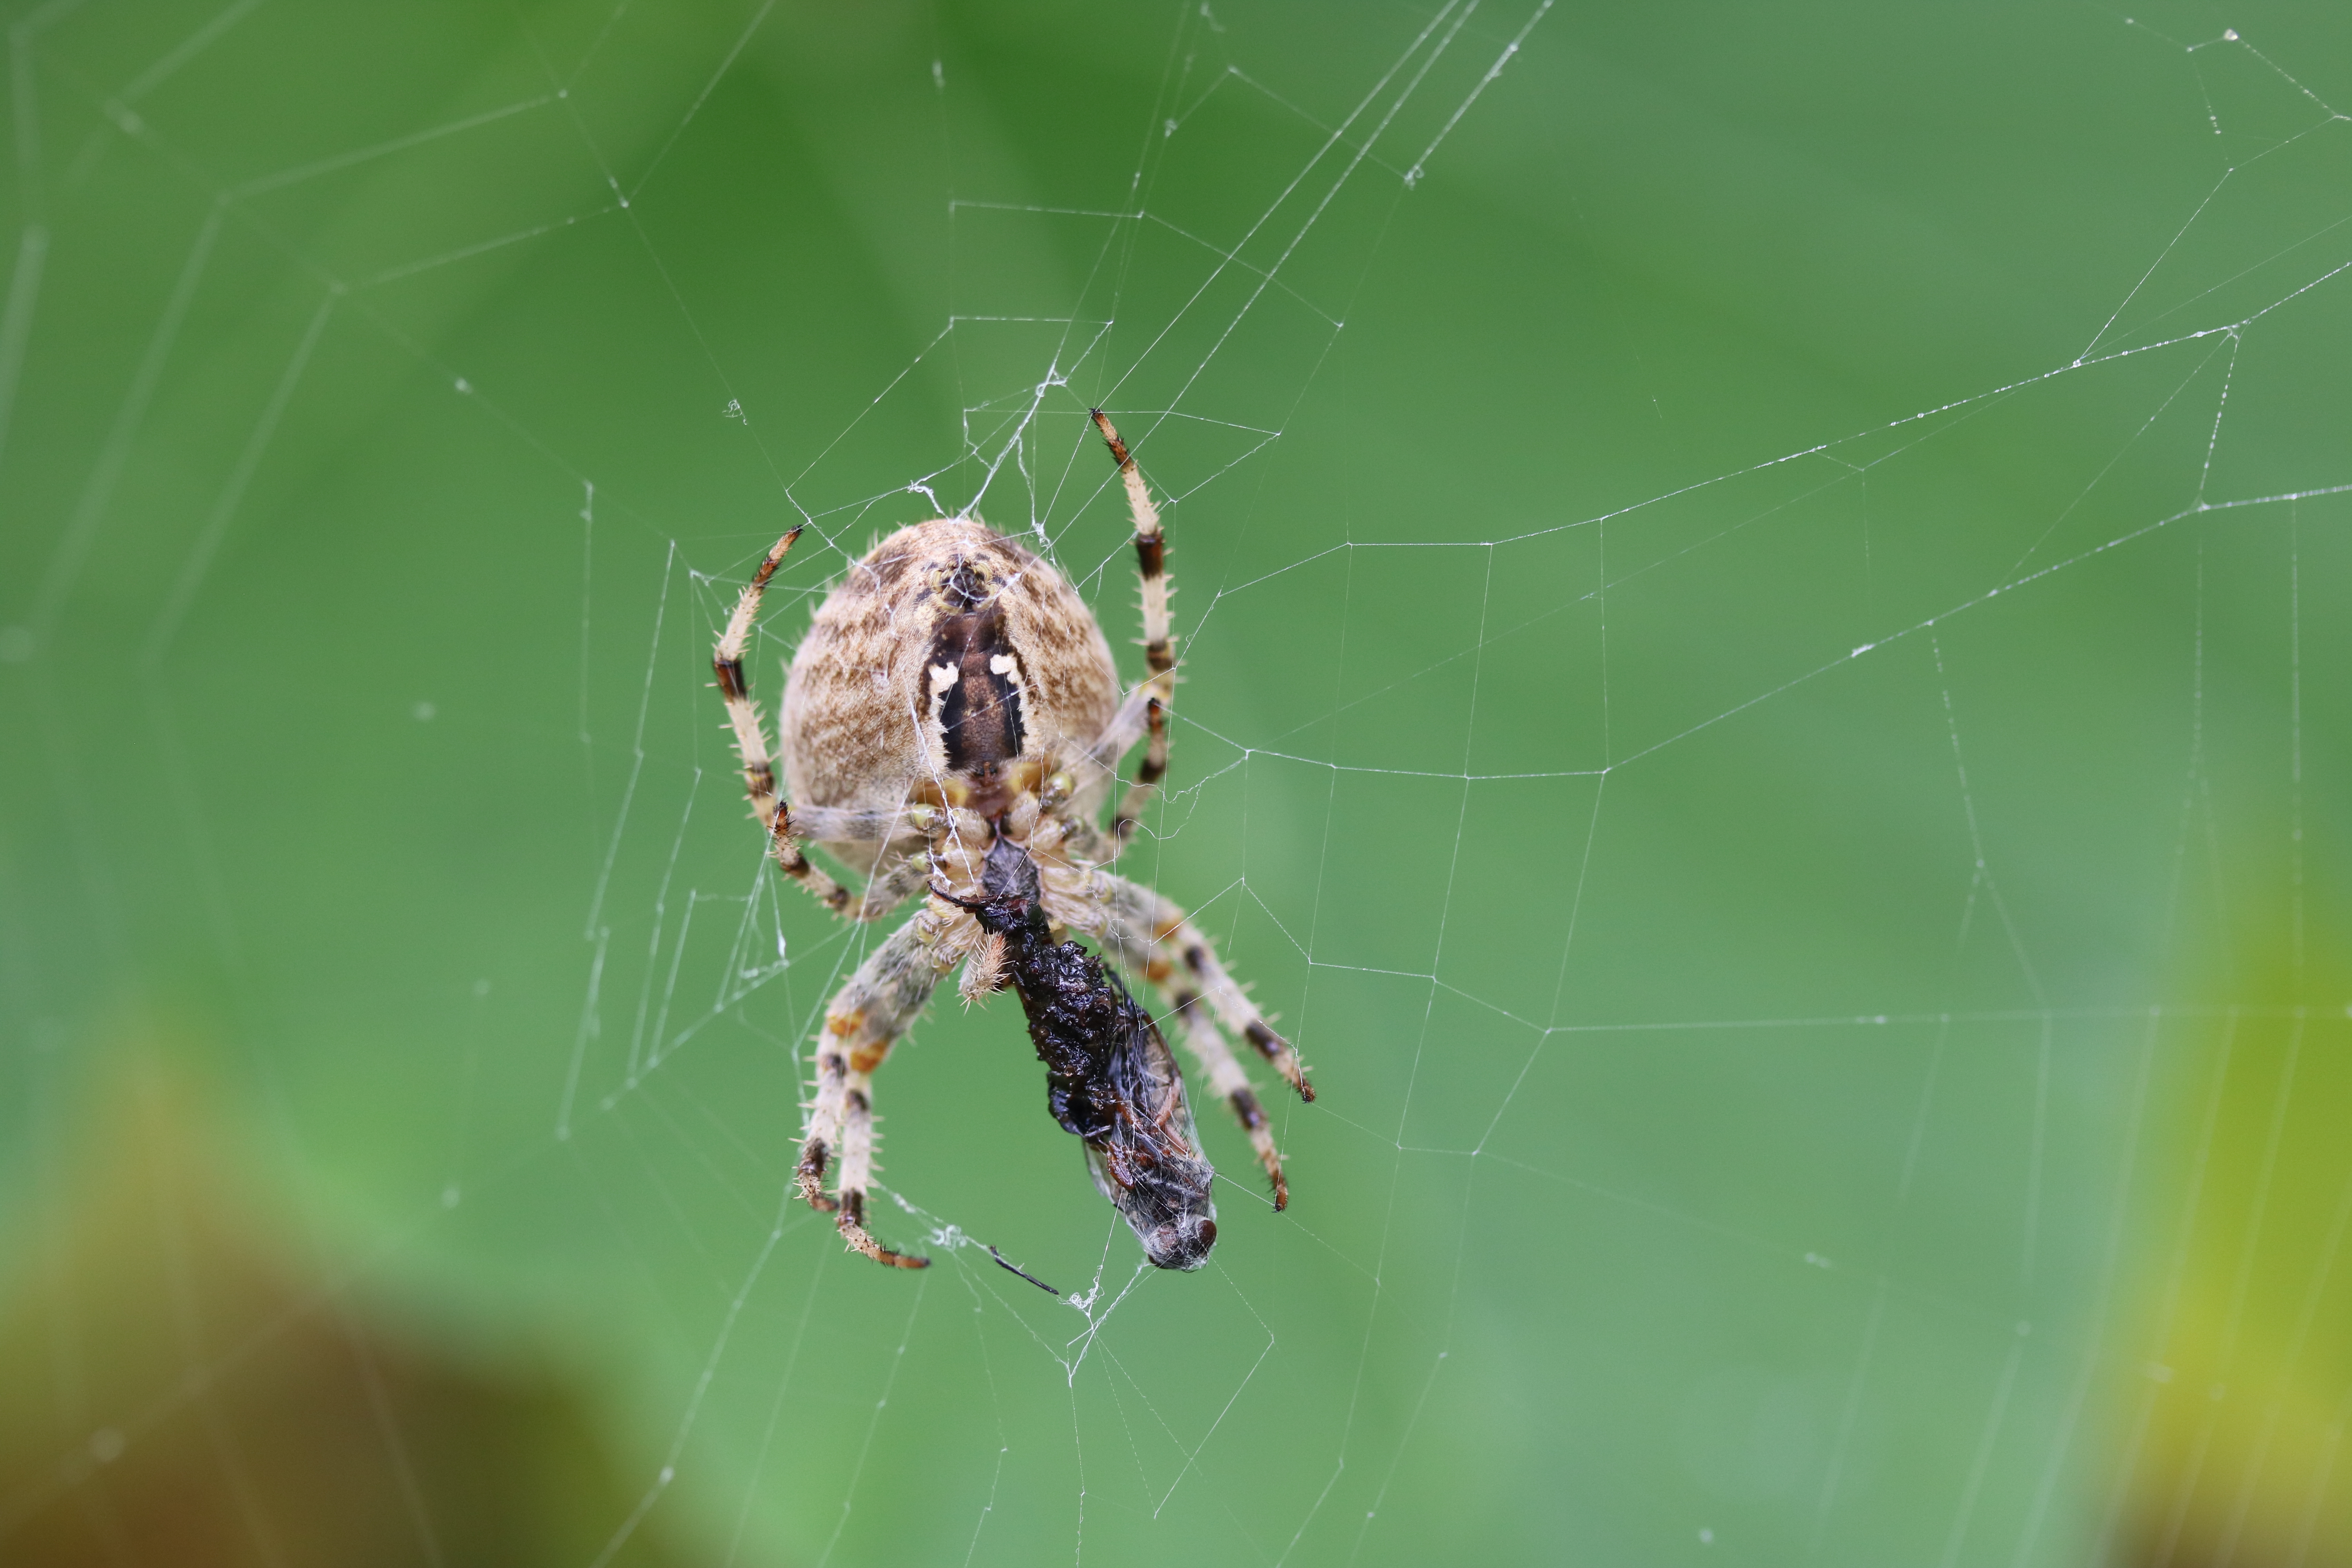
(854, 1232)
(1252, 1116)
(1282, 1055)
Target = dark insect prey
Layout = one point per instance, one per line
(1109, 1078)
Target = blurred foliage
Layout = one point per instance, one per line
(263, 1418)
(2233, 1440)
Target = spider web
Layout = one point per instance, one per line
(1773, 819)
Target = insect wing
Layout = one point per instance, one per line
(1150, 1166)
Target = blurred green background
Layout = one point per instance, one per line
(1755, 700)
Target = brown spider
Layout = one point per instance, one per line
(952, 725)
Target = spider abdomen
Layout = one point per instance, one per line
(946, 656)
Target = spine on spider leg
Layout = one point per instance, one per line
(1158, 654)
(751, 739)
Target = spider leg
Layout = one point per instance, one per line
(1160, 688)
(1225, 1076)
(879, 1004)
(1163, 924)
(751, 747)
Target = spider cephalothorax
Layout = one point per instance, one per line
(953, 723)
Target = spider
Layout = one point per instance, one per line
(951, 726)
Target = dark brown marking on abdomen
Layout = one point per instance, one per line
(981, 719)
